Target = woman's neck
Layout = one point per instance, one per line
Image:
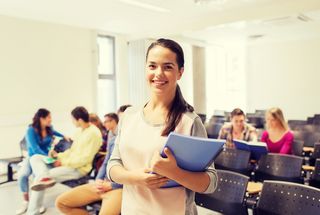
(156, 111)
(277, 129)
(161, 101)
(43, 128)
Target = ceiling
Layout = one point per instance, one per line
(153, 18)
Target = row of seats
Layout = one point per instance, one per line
(276, 197)
(269, 167)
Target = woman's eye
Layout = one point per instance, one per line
(152, 66)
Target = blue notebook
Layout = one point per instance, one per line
(256, 148)
(194, 154)
(49, 160)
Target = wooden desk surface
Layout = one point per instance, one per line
(308, 168)
(254, 187)
(102, 153)
(308, 149)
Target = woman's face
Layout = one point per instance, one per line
(271, 121)
(46, 121)
(162, 71)
(238, 122)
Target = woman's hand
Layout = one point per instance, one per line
(53, 154)
(57, 163)
(67, 139)
(148, 179)
(102, 186)
(164, 166)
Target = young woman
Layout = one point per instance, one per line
(39, 138)
(237, 129)
(72, 202)
(136, 162)
(278, 137)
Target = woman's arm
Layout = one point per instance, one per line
(203, 182)
(117, 173)
(196, 181)
(33, 142)
(56, 133)
(140, 177)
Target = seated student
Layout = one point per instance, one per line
(277, 136)
(39, 137)
(237, 129)
(72, 202)
(74, 163)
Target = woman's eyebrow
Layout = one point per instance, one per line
(169, 63)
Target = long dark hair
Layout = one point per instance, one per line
(179, 104)
(36, 124)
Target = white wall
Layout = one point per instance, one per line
(51, 66)
(285, 74)
(42, 65)
(226, 76)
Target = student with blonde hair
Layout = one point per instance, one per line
(277, 136)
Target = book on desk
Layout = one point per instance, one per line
(256, 148)
(193, 154)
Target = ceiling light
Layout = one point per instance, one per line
(145, 6)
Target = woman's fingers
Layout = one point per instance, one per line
(158, 184)
(154, 177)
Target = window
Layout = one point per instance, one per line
(106, 86)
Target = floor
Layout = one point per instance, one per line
(10, 199)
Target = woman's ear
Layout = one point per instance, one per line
(181, 71)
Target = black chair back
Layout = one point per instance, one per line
(310, 138)
(228, 198)
(281, 167)
(282, 198)
(213, 129)
(297, 147)
(315, 154)
(256, 121)
(233, 160)
(315, 175)
(203, 117)
(296, 124)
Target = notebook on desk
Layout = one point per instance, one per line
(256, 148)
(194, 154)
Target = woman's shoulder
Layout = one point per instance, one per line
(131, 114)
(265, 133)
(31, 129)
(289, 134)
(192, 116)
(132, 110)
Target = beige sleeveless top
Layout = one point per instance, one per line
(136, 143)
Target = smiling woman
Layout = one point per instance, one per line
(148, 127)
